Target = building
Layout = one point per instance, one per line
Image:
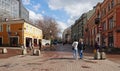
(66, 36)
(19, 33)
(13, 9)
(104, 25)
(23, 12)
(82, 21)
(86, 26)
(77, 29)
(74, 31)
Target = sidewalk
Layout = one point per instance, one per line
(10, 52)
(52, 61)
(59, 60)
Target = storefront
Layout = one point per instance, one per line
(17, 33)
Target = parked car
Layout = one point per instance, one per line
(54, 43)
(47, 44)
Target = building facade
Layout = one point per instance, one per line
(13, 9)
(74, 31)
(19, 33)
(104, 25)
(23, 13)
(82, 21)
(9, 9)
(77, 29)
(66, 36)
(86, 26)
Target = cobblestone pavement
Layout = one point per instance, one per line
(10, 52)
(59, 60)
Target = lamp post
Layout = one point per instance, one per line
(97, 22)
(50, 38)
(102, 54)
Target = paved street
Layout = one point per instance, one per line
(59, 60)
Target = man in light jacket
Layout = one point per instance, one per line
(75, 50)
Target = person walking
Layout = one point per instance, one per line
(96, 47)
(81, 48)
(30, 44)
(75, 50)
(40, 44)
(96, 51)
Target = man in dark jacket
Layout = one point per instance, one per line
(97, 48)
(81, 48)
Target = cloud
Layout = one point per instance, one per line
(26, 2)
(62, 25)
(70, 21)
(74, 8)
(35, 16)
(36, 7)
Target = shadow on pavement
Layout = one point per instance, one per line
(62, 58)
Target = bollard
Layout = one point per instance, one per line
(24, 51)
(103, 55)
(22, 47)
(97, 55)
(4, 50)
(36, 52)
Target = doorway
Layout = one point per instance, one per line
(28, 42)
(0, 41)
(14, 41)
(35, 42)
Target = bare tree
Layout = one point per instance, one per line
(47, 25)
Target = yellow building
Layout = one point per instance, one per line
(18, 33)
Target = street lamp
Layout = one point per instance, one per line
(97, 22)
(99, 30)
(50, 38)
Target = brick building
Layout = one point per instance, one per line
(104, 24)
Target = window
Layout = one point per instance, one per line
(105, 11)
(104, 26)
(93, 31)
(111, 23)
(102, 14)
(112, 3)
(98, 15)
(8, 28)
(108, 7)
(0, 28)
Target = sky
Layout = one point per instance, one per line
(65, 12)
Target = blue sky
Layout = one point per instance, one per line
(65, 12)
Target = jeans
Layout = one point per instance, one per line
(80, 53)
(75, 54)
